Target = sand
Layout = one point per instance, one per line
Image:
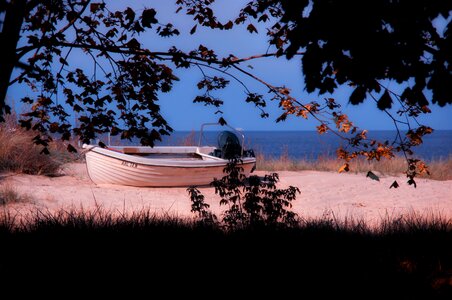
(323, 194)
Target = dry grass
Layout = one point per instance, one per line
(9, 194)
(19, 154)
(439, 169)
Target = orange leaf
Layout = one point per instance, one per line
(322, 129)
(345, 168)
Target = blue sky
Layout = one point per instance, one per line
(183, 114)
(186, 115)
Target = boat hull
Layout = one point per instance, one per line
(121, 169)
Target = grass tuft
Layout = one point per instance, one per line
(9, 194)
(19, 154)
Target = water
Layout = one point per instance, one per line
(310, 145)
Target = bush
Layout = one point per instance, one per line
(18, 153)
(252, 202)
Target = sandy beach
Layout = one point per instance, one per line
(323, 194)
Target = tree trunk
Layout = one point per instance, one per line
(14, 16)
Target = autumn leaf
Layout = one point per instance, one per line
(322, 129)
(363, 134)
(345, 127)
(425, 109)
(303, 113)
(423, 168)
(344, 168)
(284, 91)
(414, 137)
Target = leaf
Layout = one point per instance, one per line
(425, 109)
(263, 18)
(385, 101)
(129, 15)
(344, 168)
(358, 95)
(63, 61)
(45, 151)
(133, 44)
(71, 148)
(412, 182)
(251, 28)
(228, 25)
(148, 18)
(94, 7)
(26, 123)
(321, 129)
(394, 184)
(53, 127)
(282, 117)
(372, 175)
(193, 30)
(222, 121)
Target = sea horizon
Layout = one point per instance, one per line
(309, 145)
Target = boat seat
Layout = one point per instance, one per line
(216, 153)
(229, 144)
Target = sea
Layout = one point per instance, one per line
(309, 145)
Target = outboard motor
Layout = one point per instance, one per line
(229, 144)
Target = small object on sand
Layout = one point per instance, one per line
(372, 176)
(394, 185)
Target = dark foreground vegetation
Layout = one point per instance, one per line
(405, 259)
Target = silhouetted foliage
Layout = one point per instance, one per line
(362, 42)
(408, 258)
(251, 201)
(199, 206)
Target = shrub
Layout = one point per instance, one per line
(19, 154)
(252, 202)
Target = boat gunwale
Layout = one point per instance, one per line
(209, 161)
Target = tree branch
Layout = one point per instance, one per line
(275, 91)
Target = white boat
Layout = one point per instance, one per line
(166, 166)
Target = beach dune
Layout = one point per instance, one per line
(323, 195)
